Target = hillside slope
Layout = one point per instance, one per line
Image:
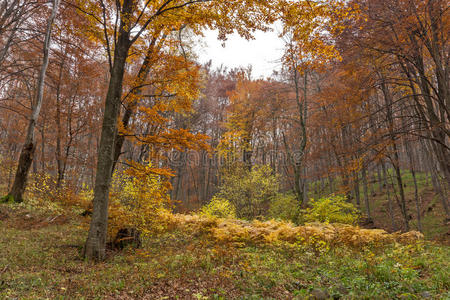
(39, 259)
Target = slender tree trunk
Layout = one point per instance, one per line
(296, 168)
(380, 180)
(211, 177)
(43, 146)
(416, 193)
(398, 176)
(356, 190)
(402, 201)
(329, 174)
(58, 155)
(29, 147)
(366, 194)
(58, 142)
(388, 194)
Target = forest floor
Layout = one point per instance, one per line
(40, 259)
(432, 215)
(431, 210)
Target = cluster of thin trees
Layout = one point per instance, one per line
(353, 126)
(352, 123)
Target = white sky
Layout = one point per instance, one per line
(263, 53)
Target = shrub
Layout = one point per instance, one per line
(331, 209)
(285, 207)
(43, 194)
(219, 207)
(137, 201)
(250, 191)
(8, 166)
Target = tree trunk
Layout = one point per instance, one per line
(366, 194)
(29, 147)
(416, 193)
(96, 240)
(297, 169)
(356, 190)
(388, 194)
(130, 108)
(380, 180)
(398, 176)
(58, 156)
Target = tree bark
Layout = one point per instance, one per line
(96, 241)
(356, 189)
(366, 194)
(59, 163)
(416, 189)
(388, 194)
(130, 108)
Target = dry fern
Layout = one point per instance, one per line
(232, 230)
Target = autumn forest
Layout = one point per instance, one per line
(129, 169)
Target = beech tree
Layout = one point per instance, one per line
(29, 147)
(129, 22)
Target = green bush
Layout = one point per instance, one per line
(250, 191)
(285, 207)
(331, 209)
(219, 207)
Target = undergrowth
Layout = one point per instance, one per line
(211, 258)
(274, 232)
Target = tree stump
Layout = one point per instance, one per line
(126, 237)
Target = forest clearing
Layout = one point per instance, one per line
(311, 161)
